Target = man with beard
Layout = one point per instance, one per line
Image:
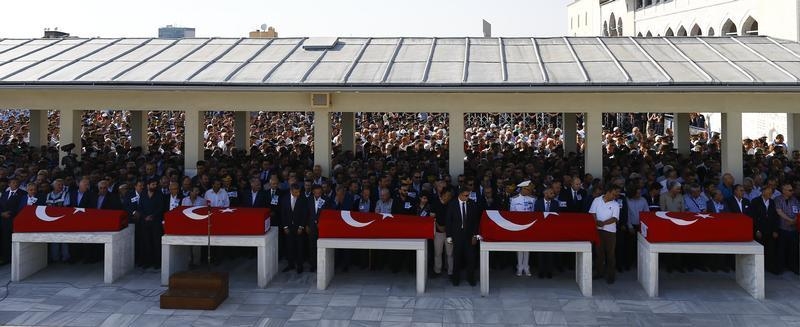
(151, 208)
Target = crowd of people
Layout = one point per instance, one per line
(400, 165)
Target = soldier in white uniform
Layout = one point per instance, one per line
(523, 202)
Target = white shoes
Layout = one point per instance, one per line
(526, 272)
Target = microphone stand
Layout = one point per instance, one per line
(209, 237)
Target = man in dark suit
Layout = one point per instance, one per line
(105, 199)
(737, 203)
(765, 223)
(294, 217)
(83, 197)
(151, 208)
(11, 202)
(547, 203)
(254, 197)
(341, 201)
(273, 195)
(462, 231)
(316, 204)
(574, 196)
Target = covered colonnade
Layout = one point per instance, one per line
(458, 76)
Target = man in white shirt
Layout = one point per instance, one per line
(523, 202)
(606, 213)
(174, 196)
(217, 196)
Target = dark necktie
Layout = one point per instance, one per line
(463, 213)
(546, 206)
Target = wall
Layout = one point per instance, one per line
(776, 18)
(589, 13)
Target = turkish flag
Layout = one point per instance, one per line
(515, 226)
(355, 224)
(663, 226)
(224, 221)
(39, 219)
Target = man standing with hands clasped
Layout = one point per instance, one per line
(523, 202)
(606, 214)
(462, 232)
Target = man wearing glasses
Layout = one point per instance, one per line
(787, 207)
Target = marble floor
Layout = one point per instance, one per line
(74, 295)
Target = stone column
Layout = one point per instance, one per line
(242, 122)
(732, 161)
(680, 129)
(70, 131)
(139, 126)
(593, 149)
(322, 140)
(792, 136)
(455, 132)
(348, 132)
(193, 141)
(570, 131)
(38, 128)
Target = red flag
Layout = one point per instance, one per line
(514, 226)
(663, 226)
(224, 221)
(354, 224)
(33, 219)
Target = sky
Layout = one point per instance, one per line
(235, 18)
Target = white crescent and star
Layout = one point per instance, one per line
(676, 221)
(504, 223)
(41, 213)
(348, 219)
(547, 213)
(189, 212)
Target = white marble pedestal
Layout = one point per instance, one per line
(175, 250)
(583, 259)
(29, 251)
(749, 262)
(326, 248)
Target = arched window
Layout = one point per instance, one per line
(696, 31)
(619, 26)
(750, 26)
(585, 19)
(605, 28)
(649, 34)
(682, 31)
(669, 32)
(729, 29)
(612, 26)
(710, 31)
(570, 22)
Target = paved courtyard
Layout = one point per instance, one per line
(363, 298)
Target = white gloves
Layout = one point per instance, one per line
(449, 240)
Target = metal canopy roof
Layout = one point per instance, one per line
(403, 62)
